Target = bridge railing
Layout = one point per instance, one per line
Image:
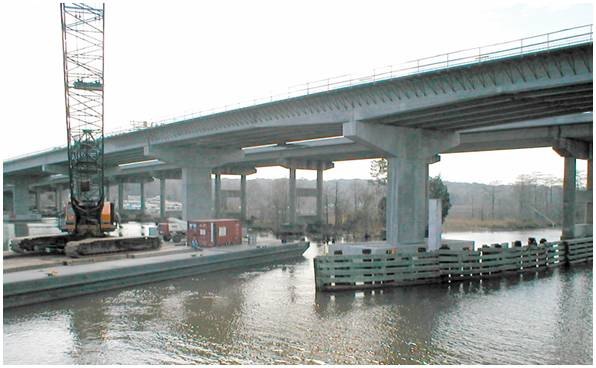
(475, 55)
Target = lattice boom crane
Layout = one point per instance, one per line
(88, 218)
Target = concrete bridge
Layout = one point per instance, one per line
(535, 92)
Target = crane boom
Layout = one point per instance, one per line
(88, 219)
(83, 60)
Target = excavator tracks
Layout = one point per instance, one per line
(92, 246)
(76, 247)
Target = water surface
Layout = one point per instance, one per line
(272, 314)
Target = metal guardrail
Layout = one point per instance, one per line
(476, 55)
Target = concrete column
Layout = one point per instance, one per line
(196, 193)
(568, 198)
(217, 199)
(142, 190)
(120, 197)
(406, 201)
(589, 175)
(21, 200)
(58, 198)
(162, 198)
(589, 213)
(320, 194)
(107, 196)
(38, 200)
(426, 204)
(243, 197)
(292, 198)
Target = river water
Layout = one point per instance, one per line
(272, 314)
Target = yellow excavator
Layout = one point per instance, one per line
(88, 218)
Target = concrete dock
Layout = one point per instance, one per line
(32, 282)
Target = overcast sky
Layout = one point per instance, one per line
(171, 58)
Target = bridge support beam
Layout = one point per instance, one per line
(408, 153)
(162, 198)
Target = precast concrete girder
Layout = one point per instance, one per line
(301, 164)
(194, 156)
(235, 170)
(54, 169)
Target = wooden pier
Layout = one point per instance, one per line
(363, 271)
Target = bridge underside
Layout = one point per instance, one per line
(541, 99)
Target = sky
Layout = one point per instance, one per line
(165, 59)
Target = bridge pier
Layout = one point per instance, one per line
(408, 152)
(162, 197)
(221, 196)
(569, 185)
(106, 191)
(589, 205)
(197, 165)
(58, 197)
(406, 201)
(319, 213)
(571, 150)
(243, 197)
(217, 196)
(38, 200)
(121, 197)
(294, 193)
(20, 200)
(292, 200)
(196, 193)
(142, 199)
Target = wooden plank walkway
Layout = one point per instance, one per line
(343, 272)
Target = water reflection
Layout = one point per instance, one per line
(272, 314)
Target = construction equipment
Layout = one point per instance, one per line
(172, 229)
(88, 218)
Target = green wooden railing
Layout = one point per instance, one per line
(341, 272)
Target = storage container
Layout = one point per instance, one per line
(213, 232)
